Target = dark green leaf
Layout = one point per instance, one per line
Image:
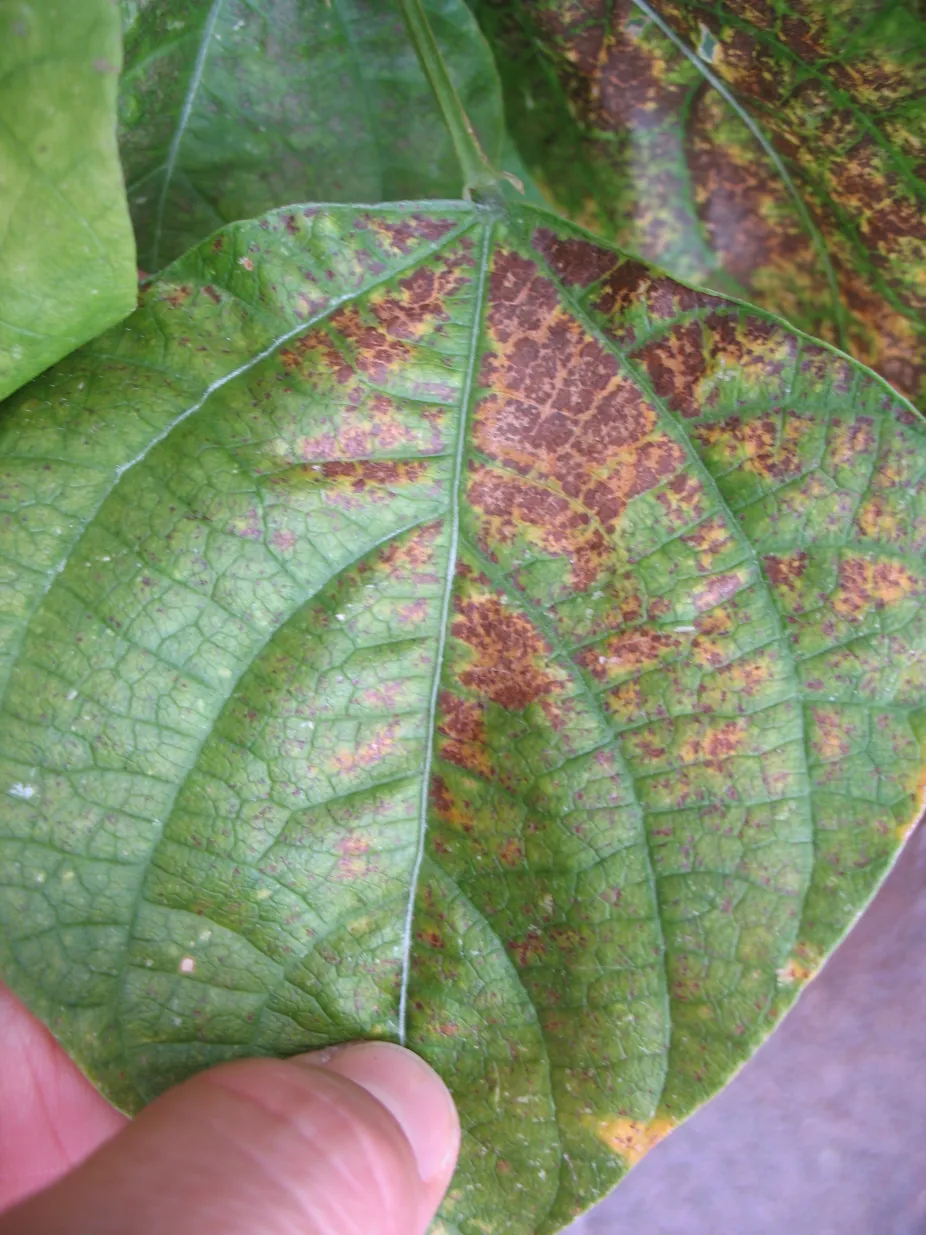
(67, 262)
(773, 150)
(231, 107)
(427, 624)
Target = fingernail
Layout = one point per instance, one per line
(411, 1092)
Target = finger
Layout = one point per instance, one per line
(51, 1117)
(362, 1143)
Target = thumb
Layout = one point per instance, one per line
(356, 1140)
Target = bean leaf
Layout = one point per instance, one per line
(428, 623)
(229, 107)
(67, 262)
(775, 151)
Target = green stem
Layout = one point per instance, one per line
(479, 176)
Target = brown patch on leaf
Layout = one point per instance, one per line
(557, 406)
(515, 507)
(575, 261)
(461, 724)
(866, 584)
(360, 475)
(676, 363)
(627, 652)
(509, 660)
(767, 445)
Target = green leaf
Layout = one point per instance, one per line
(772, 150)
(67, 261)
(424, 623)
(229, 107)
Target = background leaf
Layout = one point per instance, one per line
(781, 159)
(230, 107)
(426, 623)
(67, 262)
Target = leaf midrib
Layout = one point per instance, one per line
(456, 486)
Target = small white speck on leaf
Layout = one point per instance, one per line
(187, 965)
(19, 790)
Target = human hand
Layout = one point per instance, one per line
(359, 1140)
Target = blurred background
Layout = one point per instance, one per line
(824, 1131)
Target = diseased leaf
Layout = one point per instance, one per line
(771, 150)
(425, 623)
(67, 262)
(229, 107)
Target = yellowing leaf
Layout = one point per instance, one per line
(425, 623)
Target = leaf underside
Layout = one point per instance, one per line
(229, 107)
(781, 158)
(428, 624)
(67, 261)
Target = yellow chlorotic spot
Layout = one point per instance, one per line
(631, 1138)
(800, 967)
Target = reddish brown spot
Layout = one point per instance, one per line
(865, 584)
(358, 474)
(510, 659)
(511, 853)
(461, 722)
(558, 408)
(406, 233)
(177, 294)
(717, 589)
(527, 948)
(516, 507)
(785, 570)
(626, 652)
(430, 938)
(576, 261)
(676, 363)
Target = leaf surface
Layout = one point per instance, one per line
(426, 623)
(229, 107)
(772, 151)
(67, 261)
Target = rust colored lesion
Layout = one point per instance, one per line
(851, 440)
(883, 519)
(403, 235)
(506, 661)
(576, 262)
(769, 446)
(462, 734)
(558, 409)
(866, 584)
(422, 299)
(628, 652)
(452, 809)
(676, 363)
(716, 742)
(513, 508)
(364, 475)
(710, 539)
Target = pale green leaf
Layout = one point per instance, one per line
(67, 261)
